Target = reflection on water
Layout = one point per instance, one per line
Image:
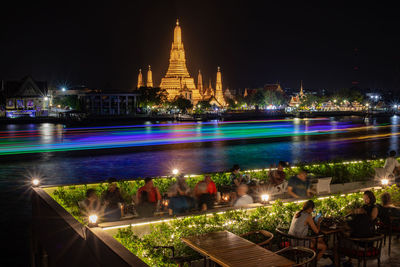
(193, 148)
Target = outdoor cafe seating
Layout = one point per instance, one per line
(361, 249)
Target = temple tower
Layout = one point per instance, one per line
(219, 95)
(149, 82)
(200, 83)
(140, 82)
(177, 80)
(301, 89)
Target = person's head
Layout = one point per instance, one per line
(242, 190)
(281, 165)
(308, 207)
(386, 199)
(207, 179)
(91, 194)
(302, 175)
(392, 153)
(148, 182)
(112, 184)
(236, 168)
(369, 198)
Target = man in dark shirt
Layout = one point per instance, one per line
(299, 186)
(277, 176)
(113, 202)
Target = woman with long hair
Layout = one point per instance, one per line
(302, 221)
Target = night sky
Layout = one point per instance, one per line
(102, 44)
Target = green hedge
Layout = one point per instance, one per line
(237, 221)
(341, 172)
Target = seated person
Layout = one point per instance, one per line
(278, 176)
(301, 223)
(204, 199)
(299, 186)
(91, 204)
(206, 193)
(236, 177)
(362, 220)
(243, 198)
(180, 200)
(151, 198)
(145, 208)
(387, 209)
(113, 202)
(369, 208)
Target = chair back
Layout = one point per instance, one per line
(261, 237)
(324, 185)
(286, 240)
(361, 248)
(302, 256)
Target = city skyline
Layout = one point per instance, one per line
(104, 46)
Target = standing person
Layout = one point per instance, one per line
(113, 202)
(301, 223)
(299, 186)
(148, 196)
(243, 198)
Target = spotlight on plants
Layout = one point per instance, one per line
(385, 182)
(35, 182)
(93, 220)
(265, 198)
(175, 171)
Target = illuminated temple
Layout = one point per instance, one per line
(178, 82)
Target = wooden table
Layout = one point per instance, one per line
(230, 250)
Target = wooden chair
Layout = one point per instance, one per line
(262, 238)
(324, 185)
(390, 229)
(362, 249)
(181, 261)
(301, 255)
(286, 240)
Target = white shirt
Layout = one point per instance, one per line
(390, 164)
(243, 201)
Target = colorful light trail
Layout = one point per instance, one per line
(72, 139)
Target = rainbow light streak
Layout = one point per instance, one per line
(37, 141)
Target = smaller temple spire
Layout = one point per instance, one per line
(219, 94)
(177, 22)
(149, 78)
(200, 83)
(140, 82)
(301, 89)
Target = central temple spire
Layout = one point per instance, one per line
(177, 34)
(177, 80)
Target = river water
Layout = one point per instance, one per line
(61, 155)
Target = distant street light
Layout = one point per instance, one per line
(63, 89)
(46, 98)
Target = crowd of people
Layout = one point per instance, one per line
(180, 198)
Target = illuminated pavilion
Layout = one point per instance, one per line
(178, 82)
